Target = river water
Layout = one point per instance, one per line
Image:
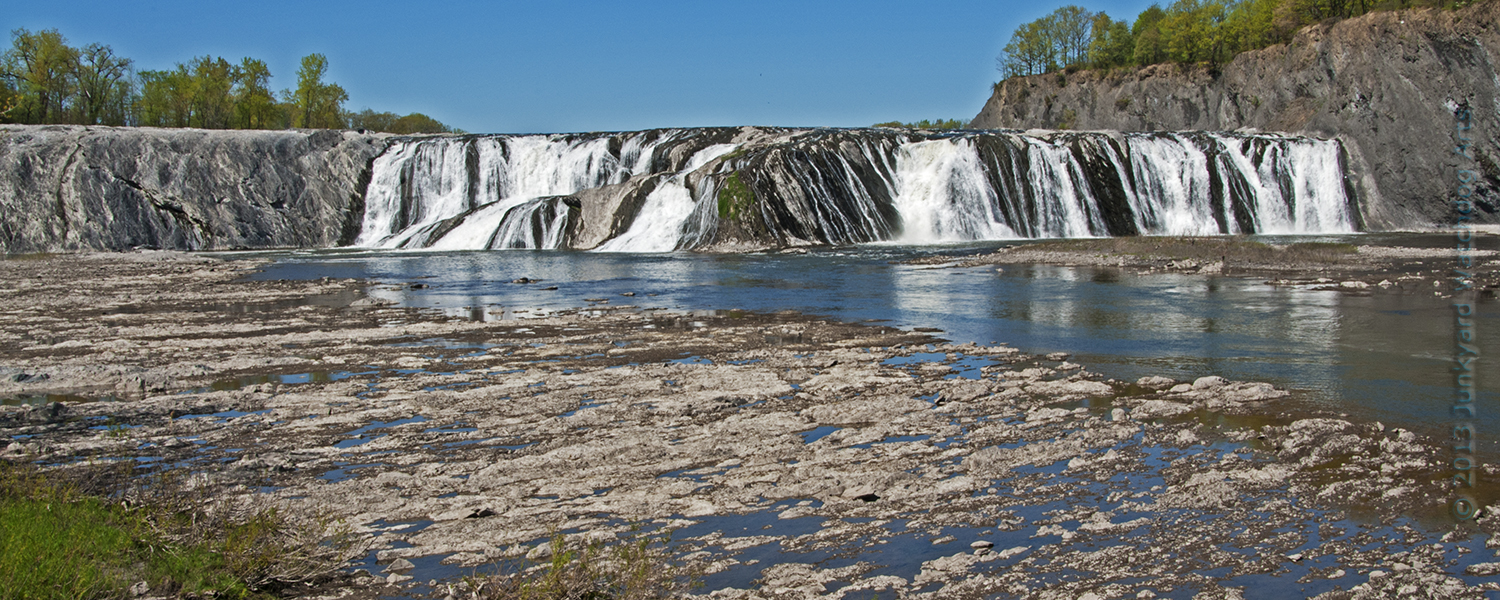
(1382, 356)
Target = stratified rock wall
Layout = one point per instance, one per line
(108, 188)
(1387, 84)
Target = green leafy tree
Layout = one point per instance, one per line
(104, 87)
(419, 123)
(1072, 32)
(397, 124)
(926, 124)
(214, 80)
(254, 105)
(1060, 39)
(1149, 46)
(373, 121)
(316, 105)
(166, 98)
(41, 66)
(8, 100)
(1112, 45)
(1191, 33)
(1029, 52)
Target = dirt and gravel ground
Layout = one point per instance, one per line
(792, 456)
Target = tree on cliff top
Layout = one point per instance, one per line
(255, 106)
(48, 81)
(315, 104)
(1189, 31)
(103, 85)
(43, 80)
(41, 66)
(397, 124)
(1057, 40)
(211, 93)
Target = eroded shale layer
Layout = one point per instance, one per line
(712, 189)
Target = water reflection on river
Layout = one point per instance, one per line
(1384, 356)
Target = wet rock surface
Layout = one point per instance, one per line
(792, 456)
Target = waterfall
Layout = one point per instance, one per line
(942, 194)
(417, 186)
(668, 210)
(666, 190)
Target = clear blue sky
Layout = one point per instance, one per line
(508, 67)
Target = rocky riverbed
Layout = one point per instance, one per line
(791, 456)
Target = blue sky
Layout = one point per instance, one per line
(503, 67)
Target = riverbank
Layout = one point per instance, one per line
(1358, 265)
(793, 456)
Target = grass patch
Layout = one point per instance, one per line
(94, 532)
(638, 567)
(735, 197)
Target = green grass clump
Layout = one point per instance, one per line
(735, 197)
(93, 533)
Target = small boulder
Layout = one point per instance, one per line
(399, 565)
(1209, 382)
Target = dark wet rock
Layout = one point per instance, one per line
(52, 412)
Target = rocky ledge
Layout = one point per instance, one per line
(792, 457)
(1362, 266)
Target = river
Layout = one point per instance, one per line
(1378, 356)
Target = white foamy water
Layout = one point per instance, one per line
(854, 186)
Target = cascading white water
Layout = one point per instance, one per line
(1171, 192)
(943, 196)
(1318, 187)
(852, 186)
(659, 226)
(1065, 202)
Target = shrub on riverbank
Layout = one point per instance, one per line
(95, 532)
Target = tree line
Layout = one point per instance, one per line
(925, 124)
(1187, 31)
(43, 80)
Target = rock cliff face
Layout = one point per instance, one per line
(105, 188)
(1389, 85)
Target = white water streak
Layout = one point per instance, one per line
(659, 227)
(943, 195)
(487, 191)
